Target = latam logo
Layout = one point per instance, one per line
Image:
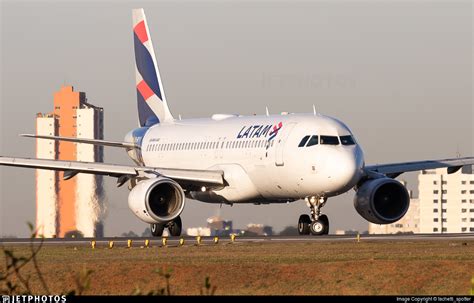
(259, 131)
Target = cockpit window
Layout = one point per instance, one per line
(329, 140)
(303, 141)
(312, 141)
(347, 140)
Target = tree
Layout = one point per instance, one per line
(146, 232)
(74, 234)
(289, 231)
(130, 234)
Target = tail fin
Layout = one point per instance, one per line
(151, 98)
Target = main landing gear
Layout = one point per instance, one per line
(174, 228)
(316, 224)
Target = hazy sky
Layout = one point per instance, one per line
(399, 73)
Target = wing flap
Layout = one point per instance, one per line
(190, 175)
(395, 169)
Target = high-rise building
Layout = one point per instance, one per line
(446, 201)
(75, 205)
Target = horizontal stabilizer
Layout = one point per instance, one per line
(84, 140)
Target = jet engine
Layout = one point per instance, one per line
(382, 201)
(156, 200)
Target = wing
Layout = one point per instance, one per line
(188, 178)
(393, 170)
(85, 141)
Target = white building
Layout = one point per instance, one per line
(89, 192)
(446, 201)
(46, 180)
(198, 231)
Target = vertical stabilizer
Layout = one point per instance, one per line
(152, 106)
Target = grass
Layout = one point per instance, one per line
(315, 268)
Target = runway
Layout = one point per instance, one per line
(140, 241)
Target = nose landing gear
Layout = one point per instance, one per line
(317, 223)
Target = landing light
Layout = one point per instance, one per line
(203, 189)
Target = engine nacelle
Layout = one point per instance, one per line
(382, 201)
(157, 200)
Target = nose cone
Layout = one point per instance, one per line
(344, 169)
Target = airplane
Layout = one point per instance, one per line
(229, 159)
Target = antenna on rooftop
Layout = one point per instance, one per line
(266, 111)
(458, 154)
(314, 110)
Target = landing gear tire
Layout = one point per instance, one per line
(317, 227)
(175, 227)
(157, 229)
(325, 220)
(319, 223)
(303, 225)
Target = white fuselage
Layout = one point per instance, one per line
(259, 155)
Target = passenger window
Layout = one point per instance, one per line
(303, 141)
(347, 140)
(313, 141)
(329, 140)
